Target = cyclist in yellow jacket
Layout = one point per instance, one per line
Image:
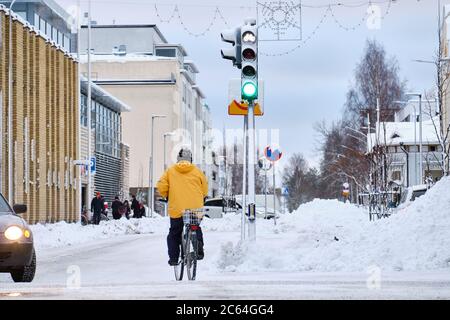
(185, 187)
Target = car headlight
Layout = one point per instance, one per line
(13, 233)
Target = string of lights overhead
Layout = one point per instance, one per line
(218, 16)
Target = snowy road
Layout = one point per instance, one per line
(135, 267)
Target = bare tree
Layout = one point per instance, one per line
(376, 78)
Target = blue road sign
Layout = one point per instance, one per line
(93, 165)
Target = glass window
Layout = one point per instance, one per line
(66, 43)
(4, 207)
(49, 30)
(55, 34)
(36, 20)
(42, 26)
(22, 14)
(60, 39)
(166, 52)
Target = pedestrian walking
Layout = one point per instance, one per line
(135, 207)
(141, 210)
(115, 207)
(126, 209)
(97, 207)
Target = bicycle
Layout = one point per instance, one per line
(189, 244)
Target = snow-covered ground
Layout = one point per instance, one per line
(325, 249)
(323, 235)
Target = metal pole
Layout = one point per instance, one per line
(421, 141)
(80, 194)
(415, 145)
(265, 191)
(251, 170)
(10, 111)
(165, 165)
(244, 179)
(274, 197)
(1, 136)
(89, 105)
(150, 198)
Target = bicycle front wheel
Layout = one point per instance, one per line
(191, 257)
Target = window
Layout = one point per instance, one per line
(169, 52)
(42, 25)
(396, 175)
(66, 43)
(55, 34)
(36, 20)
(60, 39)
(48, 29)
(432, 148)
(22, 14)
(4, 207)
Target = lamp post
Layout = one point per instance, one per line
(439, 102)
(89, 105)
(420, 134)
(167, 134)
(415, 136)
(10, 111)
(151, 171)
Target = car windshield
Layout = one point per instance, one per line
(4, 207)
(417, 194)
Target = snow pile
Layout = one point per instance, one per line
(329, 235)
(66, 234)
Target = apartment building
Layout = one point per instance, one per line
(137, 65)
(45, 123)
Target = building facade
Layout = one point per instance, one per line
(155, 79)
(111, 176)
(46, 16)
(401, 142)
(45, 123)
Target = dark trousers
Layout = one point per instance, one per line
(97, 217)
(174, 237)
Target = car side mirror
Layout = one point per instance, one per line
(20, 208)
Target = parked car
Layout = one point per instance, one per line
(412, 193)
(17, 254)
(217, 207)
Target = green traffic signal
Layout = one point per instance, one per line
(249, 91)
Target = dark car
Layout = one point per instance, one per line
(17, 254)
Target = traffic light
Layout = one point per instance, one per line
(249, 54)
(232, 36)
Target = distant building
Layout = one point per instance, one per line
(111, 154)
(47, 17)
(445, 108)
(403, 156)
(45, 123)
(137, 65)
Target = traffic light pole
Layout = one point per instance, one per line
(251, 172)
(244, 178)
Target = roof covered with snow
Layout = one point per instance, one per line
(405, 133)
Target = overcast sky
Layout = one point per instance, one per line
(301, 88)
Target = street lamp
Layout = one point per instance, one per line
(420, 134)
(167, 134)
(10, 106)
(150, 189)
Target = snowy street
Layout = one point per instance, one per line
(125, 268)
(324, 250)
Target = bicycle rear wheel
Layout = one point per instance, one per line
(191, 263)
(179, 268)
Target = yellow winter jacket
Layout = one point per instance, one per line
(185, 186)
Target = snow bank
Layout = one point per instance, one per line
(67, 234)
(329, 235)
